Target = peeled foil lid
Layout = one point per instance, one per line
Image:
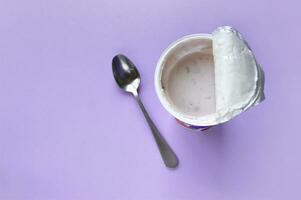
(239, 80)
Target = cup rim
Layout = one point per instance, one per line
(158, 75)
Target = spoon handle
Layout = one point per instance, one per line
(169, 157)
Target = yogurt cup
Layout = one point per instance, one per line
(207, 79)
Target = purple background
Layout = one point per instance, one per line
(68, 132)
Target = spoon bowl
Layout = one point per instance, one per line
(125, 73)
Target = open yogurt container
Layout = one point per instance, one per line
(207, 79)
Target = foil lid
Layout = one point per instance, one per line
(239, 80)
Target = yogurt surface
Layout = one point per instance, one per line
(190, 84)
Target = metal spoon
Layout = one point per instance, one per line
(128, 79)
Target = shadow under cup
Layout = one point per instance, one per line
(184, 79)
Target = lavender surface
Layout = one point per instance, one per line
(68, 132)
